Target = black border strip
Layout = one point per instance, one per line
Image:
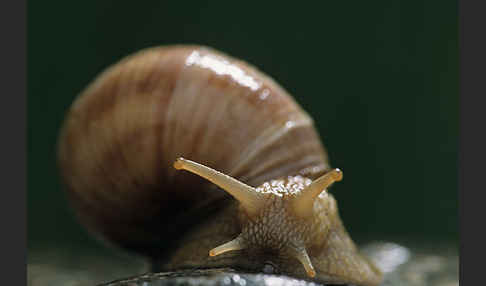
(13, 125)
(472, 25)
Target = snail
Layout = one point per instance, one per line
(194, 158)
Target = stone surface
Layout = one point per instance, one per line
(412, 266)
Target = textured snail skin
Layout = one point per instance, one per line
(279, 229)
(124, 131)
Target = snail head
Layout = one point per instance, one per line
(277, 216)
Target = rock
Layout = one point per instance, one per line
(414, 266)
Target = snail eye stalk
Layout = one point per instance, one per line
(303, 204)
(246, 195)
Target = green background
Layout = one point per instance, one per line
(380, 78)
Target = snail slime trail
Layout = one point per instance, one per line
(184, 147)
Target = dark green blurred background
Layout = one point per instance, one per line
(380, 78)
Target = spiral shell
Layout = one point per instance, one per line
(124, 131)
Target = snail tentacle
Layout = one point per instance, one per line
(301, 255)
(235, 244)
(303, 203)
(246, 195)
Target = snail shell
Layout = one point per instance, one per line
(123, 133)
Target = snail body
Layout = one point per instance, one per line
(123, 133)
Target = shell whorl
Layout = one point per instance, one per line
(124, 131)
